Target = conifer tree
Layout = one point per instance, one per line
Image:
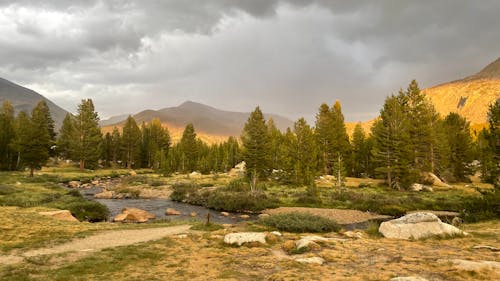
(256, 147)
(460, 142)
(189, 149)
(305, 153)
(157, 142)
(86, 142)
(116, 143)
(35, 140)
(359, 152)
(340, 139)
(275, 139)
(131, 143)
(66, 140)
(391, 149)
(7, 136)
(324, 135)
(22, 129)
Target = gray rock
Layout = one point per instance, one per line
(312, 260)
(475, 265)
(417, 226)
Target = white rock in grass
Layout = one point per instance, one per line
(245, 237)
(313, 260)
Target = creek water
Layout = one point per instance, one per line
(159, 206)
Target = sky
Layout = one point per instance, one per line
(286, 56)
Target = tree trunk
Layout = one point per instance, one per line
(82, 164)
(32, 172)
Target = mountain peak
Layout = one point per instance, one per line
(490, 72)
(191, 104)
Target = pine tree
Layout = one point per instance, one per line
(87, 139)
(107, 149)
(256, 147)
(7, 135)
(324, 135)
(494, 142)
(460, 142)
(116, 143)
(157, 143)
(66, 140)
(22, 129)
(131, 143)
(305, 151)
(275, 139)
(189, 149)
(359, 152)
(35, 142)
(391, 149)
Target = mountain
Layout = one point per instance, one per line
(24, 99)
(470, 96)
(211, 124)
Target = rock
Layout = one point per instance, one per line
(105, 195)
(182, 236)
(433, 179)
(133, 215)
(288, 246)
(428, 188)
(94, 182)
(353, 234)
(261, 216)
(417, 226)
(224, 214)
(276, 233)
(475, 265)
(272, 239)
(194, 175)
(307, 241)
(312, 260)
(456, 221)
(227, 225)
(74, 184)
(238, 170)
(416, 187)
(62, 215)
(245, 237)
(491, 248)
(132, 173)
(245, 217)
(193, 214)
(172, 212)
(408, 278)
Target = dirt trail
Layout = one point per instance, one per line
(108, 239)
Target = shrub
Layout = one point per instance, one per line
(87, 210)
(181, 191)
(207, 227)
(300, 223)
(239, 201)
(484, 207)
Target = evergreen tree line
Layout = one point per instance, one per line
(408, 139)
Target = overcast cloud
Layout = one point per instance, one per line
(287, 56)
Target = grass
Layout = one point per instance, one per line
(207, 227)
(300, 223)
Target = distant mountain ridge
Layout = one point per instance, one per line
(471, 96)
(24, 99)
(206, 119)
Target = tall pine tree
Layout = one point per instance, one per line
(131, 143)
(87, 138)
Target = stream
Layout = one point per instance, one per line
(159, 206)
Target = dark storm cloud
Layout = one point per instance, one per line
(287, 56)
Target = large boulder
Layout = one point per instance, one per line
(245, 237)
(134, 215)
(62, 215)
(238, 170)
(433, 179)
(417, 226)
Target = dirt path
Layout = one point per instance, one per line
(108, 239)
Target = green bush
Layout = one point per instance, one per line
(182, 191)
(300, 223)
(239, 201)
(484, 207)
(86, 210)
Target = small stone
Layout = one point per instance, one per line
(312, 260)
(133, 173)
(353, 234)
(262, 216)
(224, 214)
(182, 236)
(245, 217)
(172, 212)
(276, 233)
(456, 221)
(193, 214)
(74, 184)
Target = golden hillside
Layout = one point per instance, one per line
(176, 133)
(469, 98)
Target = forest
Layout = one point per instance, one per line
(408, 138)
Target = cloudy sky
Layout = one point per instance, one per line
(287, 56)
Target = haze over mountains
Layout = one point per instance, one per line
(206, 119)
(24, 99)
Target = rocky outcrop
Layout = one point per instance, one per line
(245, 237)
(433, 179)
(134, 215)
(417, 226)
(474, 265)
(420, 187)
(62, 215)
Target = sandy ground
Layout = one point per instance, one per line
(339, 215)
(108, 239)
